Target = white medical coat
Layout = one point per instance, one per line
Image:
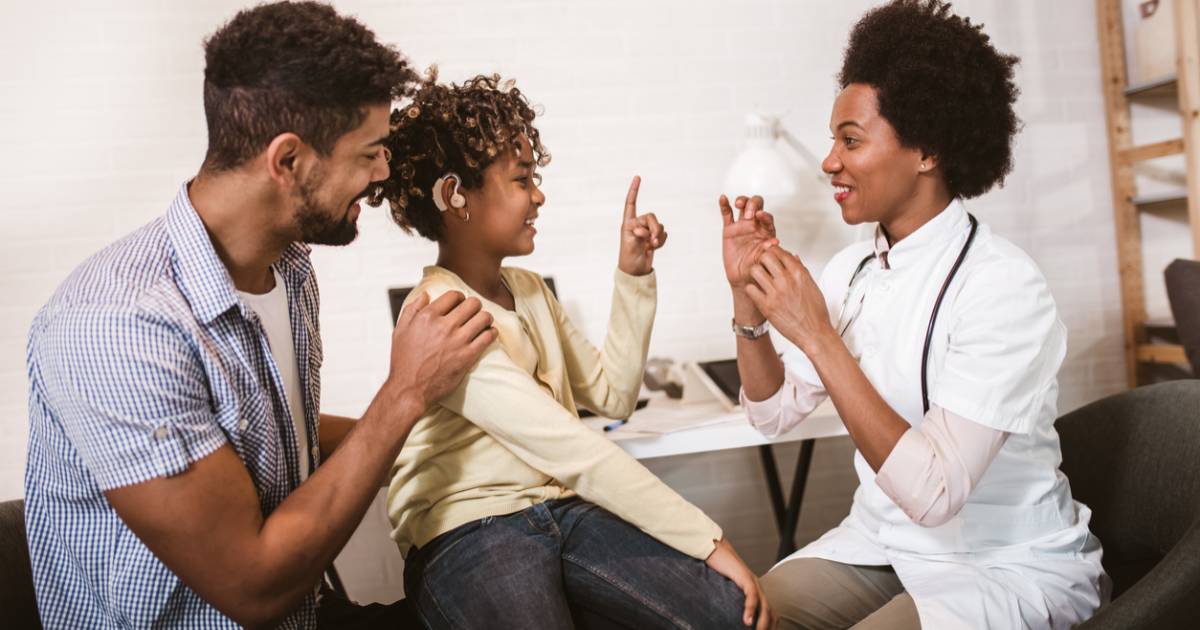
(1019, 553)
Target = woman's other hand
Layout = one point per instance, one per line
(784, 292)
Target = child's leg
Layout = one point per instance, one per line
(615, 569)
(495, 573)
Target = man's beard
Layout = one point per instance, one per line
(317, 223)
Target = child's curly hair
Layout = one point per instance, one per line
(451, 128)
(943, 87)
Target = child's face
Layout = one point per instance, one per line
(504, 208)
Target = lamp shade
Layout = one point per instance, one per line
(761, 168)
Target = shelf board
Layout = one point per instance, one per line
(1161, 353)
(1154, 199)
(1141, 153)
(1165, 86)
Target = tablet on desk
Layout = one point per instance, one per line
(724, 375)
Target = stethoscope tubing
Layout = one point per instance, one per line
(937, 305)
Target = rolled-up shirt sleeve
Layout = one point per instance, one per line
(783, 410)
(128, 392)
(930, 472)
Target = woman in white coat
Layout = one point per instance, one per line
(939, 344)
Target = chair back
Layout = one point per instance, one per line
(17, 599)
(1134, 459)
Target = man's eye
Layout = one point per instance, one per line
(537, 179)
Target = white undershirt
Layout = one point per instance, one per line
(272, 310)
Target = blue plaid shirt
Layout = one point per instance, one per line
(144, 361)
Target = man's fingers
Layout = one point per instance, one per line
(412, 308)
(631, 197)
(726, 210)
(482, 341)
(473, 327)
(662, 238)
(465, 310)
(446, 302)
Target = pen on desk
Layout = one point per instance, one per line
(616, 424)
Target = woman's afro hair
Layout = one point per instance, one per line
(943, 87)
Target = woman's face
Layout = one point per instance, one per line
(874, 177)
(504, 208)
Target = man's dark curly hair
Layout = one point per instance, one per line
(451, 128)
(292, 67)
(943, 87)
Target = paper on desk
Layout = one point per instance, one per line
(668, 420)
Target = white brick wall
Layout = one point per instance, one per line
(101, 120)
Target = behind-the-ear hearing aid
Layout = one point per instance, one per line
(457, 201)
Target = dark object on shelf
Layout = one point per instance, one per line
(1183, 291)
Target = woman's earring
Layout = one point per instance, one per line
(466, 216)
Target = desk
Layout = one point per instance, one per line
(731, 430)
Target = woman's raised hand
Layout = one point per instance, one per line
(746, 235)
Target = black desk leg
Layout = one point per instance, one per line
(787, 516)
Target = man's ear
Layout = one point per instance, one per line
(282, 155)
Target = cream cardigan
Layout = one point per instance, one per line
(509, 438)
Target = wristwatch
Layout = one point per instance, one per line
(750, 332)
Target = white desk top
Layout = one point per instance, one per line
(732, 431)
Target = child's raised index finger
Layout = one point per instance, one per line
(631, 197)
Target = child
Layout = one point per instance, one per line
(509, 511)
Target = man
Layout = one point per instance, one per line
(172, 477)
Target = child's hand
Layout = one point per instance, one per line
(640, 236)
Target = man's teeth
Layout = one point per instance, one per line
(841, 190)
(529, 221)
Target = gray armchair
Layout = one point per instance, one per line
(1134, 458)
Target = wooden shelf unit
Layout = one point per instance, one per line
(1123, 155)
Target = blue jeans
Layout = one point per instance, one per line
(532, 569)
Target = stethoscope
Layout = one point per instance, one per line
(937, 305)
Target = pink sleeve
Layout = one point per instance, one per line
(931, 470)
(785, 408)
